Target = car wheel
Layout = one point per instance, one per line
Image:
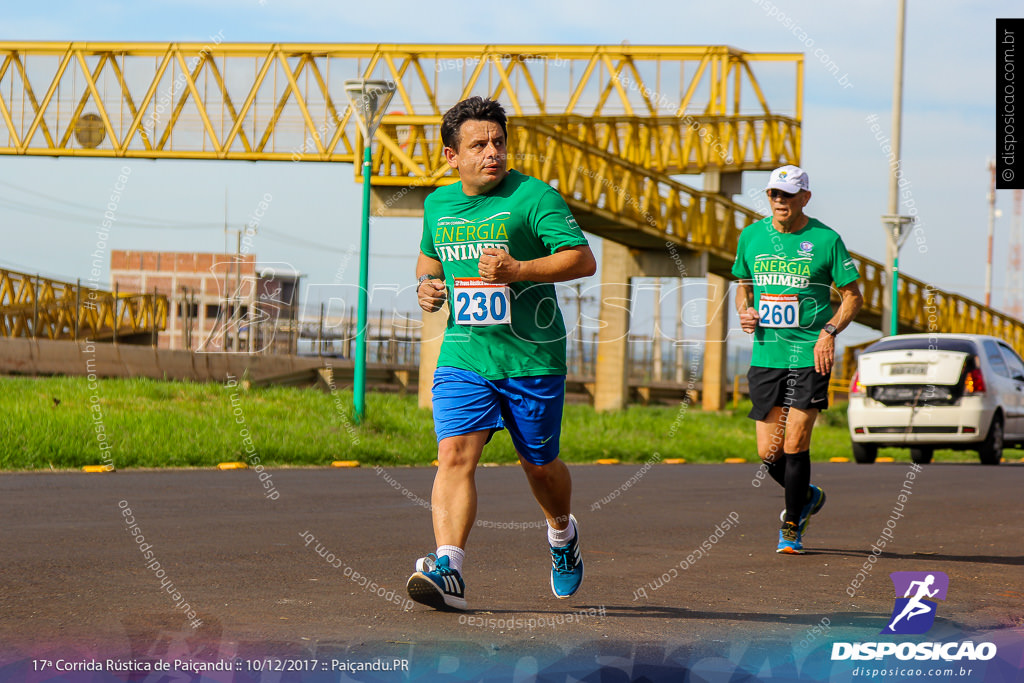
(991, 451)
(922, 456)
(864, 453)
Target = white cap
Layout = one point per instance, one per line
(789, 179)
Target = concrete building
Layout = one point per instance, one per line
(218, 302)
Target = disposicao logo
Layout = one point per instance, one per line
(912, 614)
(916, 592)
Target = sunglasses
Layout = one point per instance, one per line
(779, 194)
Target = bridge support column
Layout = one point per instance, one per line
(398, 201)
(408, 202)
(716, 350)
(611, 385)
(431, 335)
(715, 347)
(619, 265)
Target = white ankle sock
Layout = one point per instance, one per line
(561, 537)
(455, 556)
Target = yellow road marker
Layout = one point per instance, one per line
(97, 469)
(839, 460)
(345, 463)
(674, 461)
(735, 461)
(607, 461)
(231, 466)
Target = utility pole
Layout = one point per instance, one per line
(237, 310)
(993, 213)
(656, 352)
(579, 330)
(1013, 301)
(896, 226)
(680, 357)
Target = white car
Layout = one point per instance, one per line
(928, 391)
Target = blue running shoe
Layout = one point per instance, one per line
(426, 564)
(789, 540)
(441, 588)
(567, 566)
(814, 504)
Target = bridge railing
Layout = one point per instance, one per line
(630, 196)
(286, 102)
(38, 307)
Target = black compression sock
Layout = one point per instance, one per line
(777, 470)
(798, 479)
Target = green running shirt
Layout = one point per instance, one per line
(530, 220)
(792, 276)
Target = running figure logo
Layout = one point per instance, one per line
(914, 613)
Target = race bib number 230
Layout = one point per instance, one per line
(481, 303)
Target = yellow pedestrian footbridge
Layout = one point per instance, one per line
(612, 127)
(43, 308)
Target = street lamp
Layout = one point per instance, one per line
(895, 225)
(368, 100)
(897, 229)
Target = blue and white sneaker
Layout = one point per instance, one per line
(441, 588)
(789, 540)
(426, 564)
(567, 566)
(812, 507)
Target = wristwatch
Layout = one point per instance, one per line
(830, 329)
(421, 278)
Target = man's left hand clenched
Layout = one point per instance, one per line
(498, 266)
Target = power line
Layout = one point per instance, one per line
(91, 209)
(55, 214)
(278, 236)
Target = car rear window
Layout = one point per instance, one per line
(934, 343)
(995, 358)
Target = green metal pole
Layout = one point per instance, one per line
(359, 385)
(893, 310)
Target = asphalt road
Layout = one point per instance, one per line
(318, 574)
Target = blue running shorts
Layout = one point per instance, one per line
(529, 407)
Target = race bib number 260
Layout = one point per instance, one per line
(778, 310)
(481, 303)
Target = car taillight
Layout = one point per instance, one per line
(855, 386)
(974, 383)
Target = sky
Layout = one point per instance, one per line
(50, 208)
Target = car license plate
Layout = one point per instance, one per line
(919, 369)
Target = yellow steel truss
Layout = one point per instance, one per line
(37, 307)
(277, 101)
(634, 205)
(607, 125)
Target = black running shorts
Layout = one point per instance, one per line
(801, 388)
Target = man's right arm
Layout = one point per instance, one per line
(430, 292)
(745, 306)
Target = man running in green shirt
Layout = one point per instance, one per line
(786, 264)
(492, 246)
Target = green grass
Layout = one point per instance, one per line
(150, 423)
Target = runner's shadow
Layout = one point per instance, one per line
(866, 619)
(983, 559)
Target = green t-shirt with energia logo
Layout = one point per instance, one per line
(792, 276)
(529, 219)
